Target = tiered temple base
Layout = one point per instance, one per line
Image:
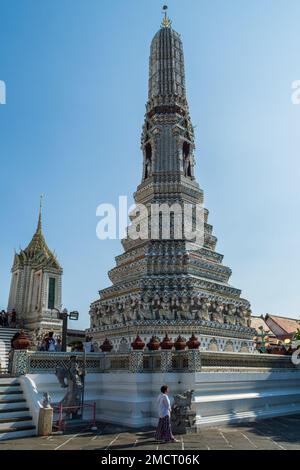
(213, 336)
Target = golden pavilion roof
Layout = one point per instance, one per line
(37, 252)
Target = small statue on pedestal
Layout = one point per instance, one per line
(75, 377)
(182, 417)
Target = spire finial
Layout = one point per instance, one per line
(166, 22)
(39, 227)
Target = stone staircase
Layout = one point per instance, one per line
(15, 418)
(6, 335)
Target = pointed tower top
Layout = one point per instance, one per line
(39, 226)
(166, 22)
(37, 251)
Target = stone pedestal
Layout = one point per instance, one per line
(45, 422)
(183, 423)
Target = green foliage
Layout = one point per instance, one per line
(297, 334)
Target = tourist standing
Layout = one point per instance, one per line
(13, 319)
(2, 317)
(50, 342)
(5, 319)
(58, 345)
(164, 431)
(88, 344)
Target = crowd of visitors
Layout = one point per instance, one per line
(8, 319)
(53, 343)
(50, 343)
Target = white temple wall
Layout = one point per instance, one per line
(220, 397)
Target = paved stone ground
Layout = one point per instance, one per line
(272, 434)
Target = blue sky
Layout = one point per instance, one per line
(76, 76)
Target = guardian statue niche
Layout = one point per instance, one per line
(74, 376)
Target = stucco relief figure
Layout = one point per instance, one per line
(147, 168)
(156, 306)
(174, 301)
(130, 313)
(72, 379)
(248, 314)
(231, 314)
(239, 316)
(116, 316)
(187, 159)
(164, 309)
(204, 309)
(185, 313)
(145, 311)
(104, 318)
(148, 160)
(217, 312)
(244, 316)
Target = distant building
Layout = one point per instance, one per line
(278, 328)
(282, 327)
(74, 336)
(36, 287)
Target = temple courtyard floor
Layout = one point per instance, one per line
(273, 434)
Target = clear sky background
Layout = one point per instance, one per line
(76, 73)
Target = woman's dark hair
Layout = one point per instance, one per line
(164, 388)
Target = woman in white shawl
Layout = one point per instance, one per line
(164, 431)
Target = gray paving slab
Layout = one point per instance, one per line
(273, 434)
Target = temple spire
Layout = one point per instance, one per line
(39, 226)
(166, 22)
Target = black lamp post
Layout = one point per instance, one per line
(64, 315)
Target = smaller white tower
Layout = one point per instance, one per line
(35, 290)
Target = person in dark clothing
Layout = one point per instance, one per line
(16, 336)
(13, 319)
(2, 313)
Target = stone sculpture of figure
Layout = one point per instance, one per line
(187, 160)
(239, 316)
(231, 311)
(46, 403)
(147, 168)
(74, 376)
(165, 312)
(248, 317)
(244, 315)
(218, 312)
(146, 311)
(130, 311)
(182, 416)
(204, 309)
(156, 306)
(104, 317)
(185, 313)
(115, 315)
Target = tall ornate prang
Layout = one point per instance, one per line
(170, 285)
(36, 285)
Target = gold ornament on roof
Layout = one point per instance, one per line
(166, 22)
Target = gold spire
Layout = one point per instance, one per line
(37, 251)
(39, 227)
(166, 22)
